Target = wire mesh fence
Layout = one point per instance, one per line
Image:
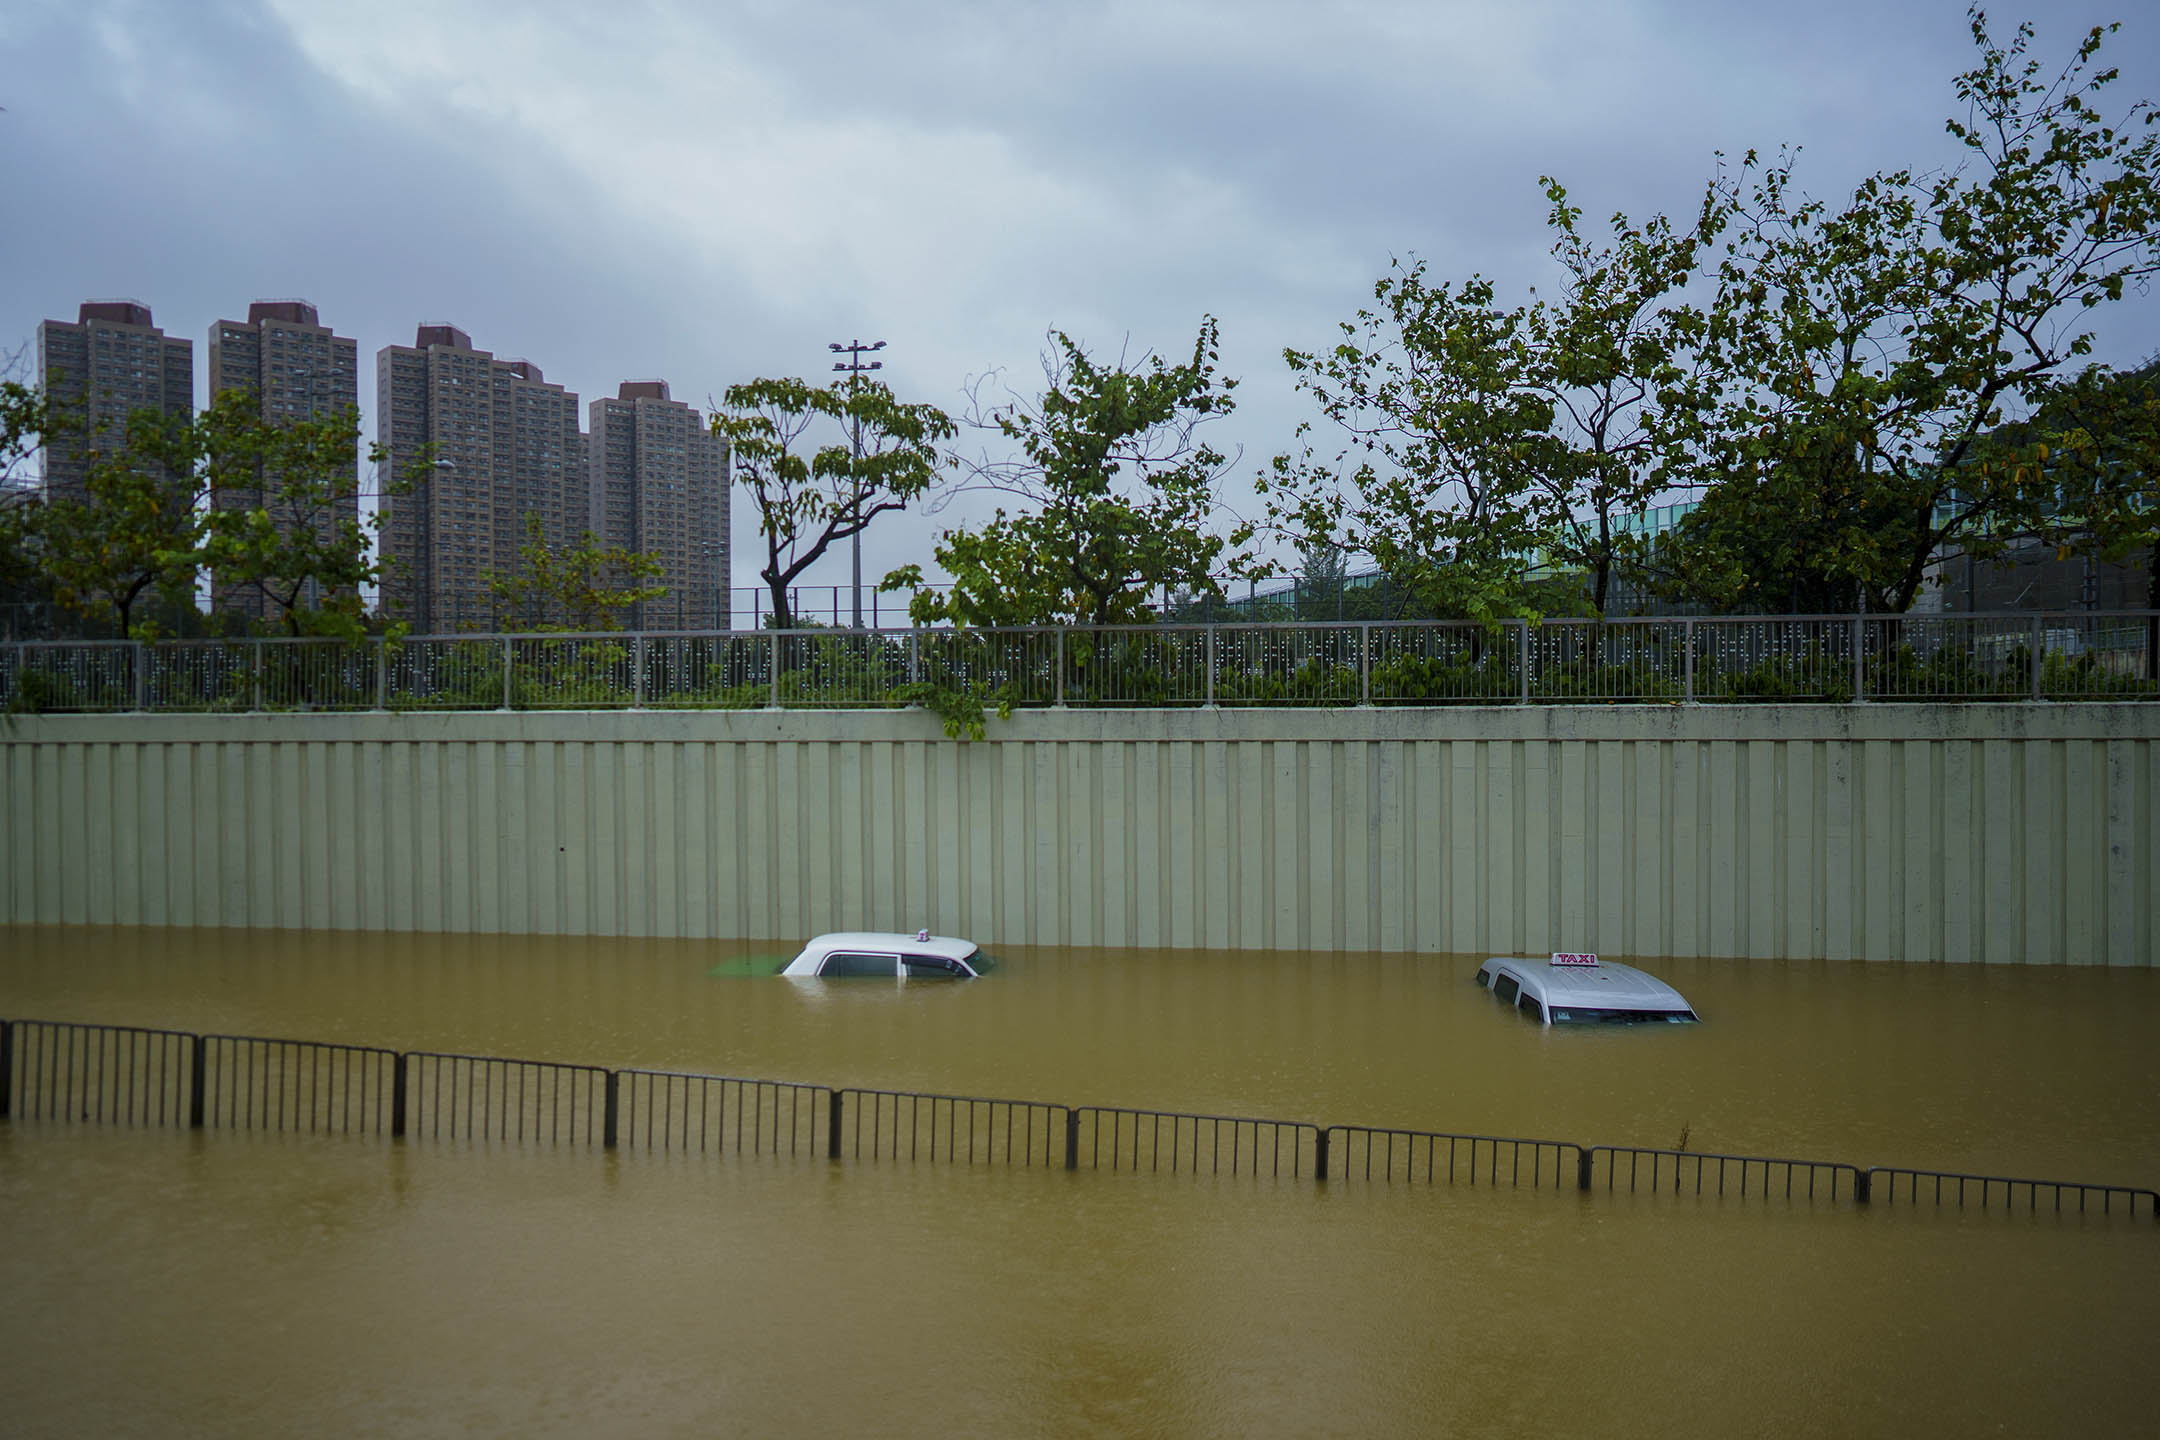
(1779, 659)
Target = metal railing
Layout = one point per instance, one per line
(1637, 1168)
(1437, 1157)
(672, 1110)
(97, 1074)
(1777, 659)
(964, 1129)
(68, 1073)
(301, 1085)
(479, 1097)
(1174, 1143)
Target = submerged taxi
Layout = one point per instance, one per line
(880, 955)
(1571, 989)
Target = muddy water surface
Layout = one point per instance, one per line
(158, 1282)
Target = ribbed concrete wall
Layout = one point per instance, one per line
(2022, 833)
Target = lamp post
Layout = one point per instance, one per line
(854, 367)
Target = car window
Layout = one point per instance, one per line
(1484, 977)
(1504, 987)
(853, 964)
(929, 967)
(1532, 1008)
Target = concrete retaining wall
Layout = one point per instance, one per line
(2021, 833)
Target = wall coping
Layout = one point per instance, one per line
(1847, 723)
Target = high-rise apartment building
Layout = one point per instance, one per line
(110, 363)
(298, 370)
(506, 445)
(660, 486)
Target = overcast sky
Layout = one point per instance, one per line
(710, 192)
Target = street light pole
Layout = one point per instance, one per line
(854, 367)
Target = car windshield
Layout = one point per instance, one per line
(981, 961)
(1582, 1015)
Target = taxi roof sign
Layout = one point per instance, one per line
(1562, 957)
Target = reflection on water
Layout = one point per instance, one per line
(161, 1282)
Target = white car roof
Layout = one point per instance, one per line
(1606, 985)
(891, 942)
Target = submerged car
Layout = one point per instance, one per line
(1583, 990)
(878, 955)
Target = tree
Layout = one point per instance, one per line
(1321, 573)
(1120, 494)
(1856, 359)
(284, 516)
(2099, 435)
(1607, 355)
(1445, 445)
(582, 586)
(811, 491)
(133, 530)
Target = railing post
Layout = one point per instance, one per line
(607, 1135)
(7, 1068)
(637, 665)
(1859, 659)
(1863, 1186)
(1688, 660)
(142, 676)
(2037, 635)
(776, 669)
(1320, 1152)
(832, 1126)
(1211, 666)
(1364, 662)
(1524, 655)
(255, 703)
(1072, 1139)
(1059, 636)
(199, 1073)
(509, 664)
(399, 1066)
(1583, 1165)
(914, 656)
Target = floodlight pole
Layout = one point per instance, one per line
(853, 367)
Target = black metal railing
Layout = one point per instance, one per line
(1949, 1188)
(250, 1083)
(477, 1097)
(1695, 1172)
(697, 1114)
(963, 1129)
(98, 1074)
(1106, 1137)
(1436, 1156)
(72, 1073)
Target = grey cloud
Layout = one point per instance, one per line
(199, 157)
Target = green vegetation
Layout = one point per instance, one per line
(822, 463)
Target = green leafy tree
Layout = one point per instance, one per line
(792, 452)
(24, 421)
(2099, 436)
(1444, 446)
(284, 522)
(1857, 357)
(1608, 353)
(131, 534)
(582, 586)
(1118, 490)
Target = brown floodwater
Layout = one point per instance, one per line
(161, 1282)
